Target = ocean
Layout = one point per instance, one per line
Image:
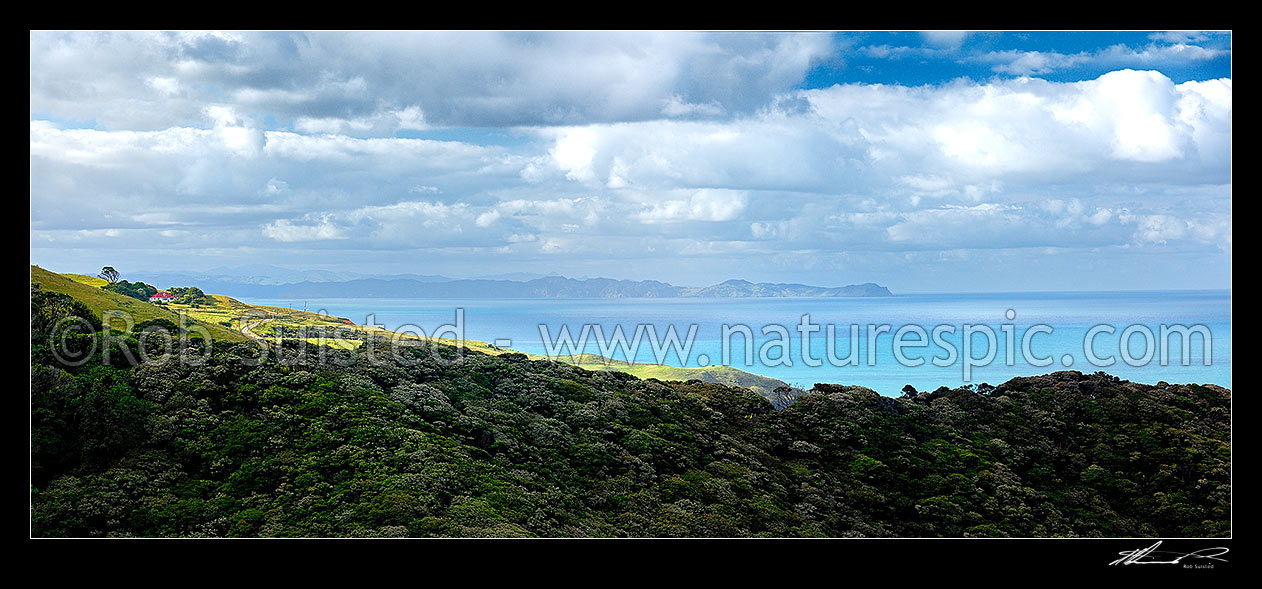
(803, 341)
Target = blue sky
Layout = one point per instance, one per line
(909, 58)
(925, 161)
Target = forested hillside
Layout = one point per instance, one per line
(428, 442)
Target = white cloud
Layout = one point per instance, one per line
(960, 139)
(702, 205)
(770, 230)
(953, 224)
(1142, 109)
(385, 122)
(633, 147)
(1181, 36)
(1157, 228)
(1026, 63)
(554, 245)
(573, 152)
(168, 86)
(284, 230)
(947, 39)
(488, 218)
(234, 132)
(676, 106)
(346, 82)
(856, 167)
(275, 187)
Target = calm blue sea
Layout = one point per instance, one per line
(1027, 328)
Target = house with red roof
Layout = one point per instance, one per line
(162, 296)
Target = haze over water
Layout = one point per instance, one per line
(1070, 315)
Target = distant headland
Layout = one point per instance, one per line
(439, 287)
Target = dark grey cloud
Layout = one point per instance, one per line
(488, 79)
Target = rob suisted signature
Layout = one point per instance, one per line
(1151, 555)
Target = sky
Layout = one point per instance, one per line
(935, 161)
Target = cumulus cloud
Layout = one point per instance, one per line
(285, 230)
(640, 148)
(227, 183)
(949, 39)
(1054, 223)
(701, 205)
(1184, 36)
(915, 167)
(1156, 228)
(1025, 63)
(381, 82)
(488, 218)
(675, 106)
(963, 139)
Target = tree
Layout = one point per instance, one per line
(782, 397)
(135, 290)
(189, 295)
(110, 274)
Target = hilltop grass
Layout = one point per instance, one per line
(101, 301)
(726, 375)
(225, 317)
(220, 310)
(283, 317)
(88, 280)
(336, 343)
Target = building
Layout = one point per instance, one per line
(162, 296)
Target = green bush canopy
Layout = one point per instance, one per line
(430, 441)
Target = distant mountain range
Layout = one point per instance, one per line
(745, 288)
(267, 275)
(269, 282)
